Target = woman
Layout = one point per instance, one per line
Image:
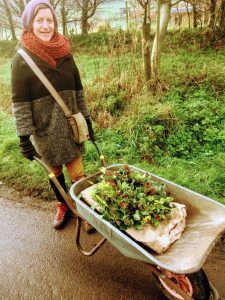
(35, 111)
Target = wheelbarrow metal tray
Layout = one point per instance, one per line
(205, 223)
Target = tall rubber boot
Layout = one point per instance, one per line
(62, 182)
(62, 209)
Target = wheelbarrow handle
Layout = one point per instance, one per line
(101, 156)
(52, 176)
(66, 197)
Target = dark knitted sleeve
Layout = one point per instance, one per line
(21, 103)
(81, 103)
(78, 83)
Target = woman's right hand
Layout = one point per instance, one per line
(27, 149)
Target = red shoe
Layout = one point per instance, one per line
(61, 215)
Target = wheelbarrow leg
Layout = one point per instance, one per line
(77, 240)
(214, 291)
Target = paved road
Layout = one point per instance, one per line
(37, 262)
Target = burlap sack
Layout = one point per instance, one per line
(170, 229)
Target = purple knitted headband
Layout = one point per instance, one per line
(28, 14)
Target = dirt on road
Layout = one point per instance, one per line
(37, 262)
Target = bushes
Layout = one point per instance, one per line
(189, 39)
(185, 116)
(199, 126)
(7, 48)
(103, 42)
(193, 126)
(193, 39)
(147, 129)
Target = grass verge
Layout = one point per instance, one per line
(203, 176)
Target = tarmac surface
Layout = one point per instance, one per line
(38, 262)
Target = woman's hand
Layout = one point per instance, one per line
(27, 149)
(90, 128)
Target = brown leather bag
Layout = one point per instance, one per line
(79, 127)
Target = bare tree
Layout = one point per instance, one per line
(212, 14)
(17, 7)
(151, 62)
(195, 16)
(63, 12)
(156, 44)
(6, 13)
(54, 3)
(66, 13)
(197, 10)
(88, 9)
(222, 16)
(213, 10)
(188, 15)
(164, 9)
(146, 27)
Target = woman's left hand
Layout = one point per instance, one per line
(90, 128)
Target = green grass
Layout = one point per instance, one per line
(94, 67)
(5, 65)
(90, 66)
(204, 176)
(15, 171)
(182, 66)
(5, 85)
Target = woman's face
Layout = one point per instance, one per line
(43, 24)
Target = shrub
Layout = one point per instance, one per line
(7, 48)
(199, 126)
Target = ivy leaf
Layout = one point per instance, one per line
(137, 215)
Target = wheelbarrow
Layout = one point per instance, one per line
(178, 271)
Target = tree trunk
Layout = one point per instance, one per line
(188, 14)
(10, 19)
(84, 17)
(155, 63)
(21, 6)
(222, 16)
(195, 15)
(63, 14)
(127, 16)
(146, 26)
(84, 25)
(212, 14)
(146, 50)
(157, 44)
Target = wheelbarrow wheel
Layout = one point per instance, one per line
(195, 285)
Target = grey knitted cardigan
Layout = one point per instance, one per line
(36, 113)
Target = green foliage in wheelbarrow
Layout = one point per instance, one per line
(129, 199)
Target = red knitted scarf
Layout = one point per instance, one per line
(50, 51)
